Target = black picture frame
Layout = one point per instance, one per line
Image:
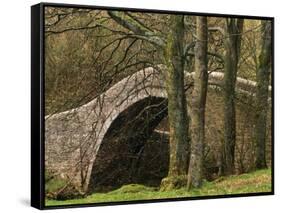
(38, 105)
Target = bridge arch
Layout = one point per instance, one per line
(73, 138)
(124, 151)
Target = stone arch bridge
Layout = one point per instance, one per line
(129, 111)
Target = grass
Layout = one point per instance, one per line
(259, 181)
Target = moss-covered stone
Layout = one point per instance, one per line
(173, 182)
(60, 189)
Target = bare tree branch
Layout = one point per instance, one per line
(140, 31)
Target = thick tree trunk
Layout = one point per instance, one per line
(234, 29)
(263, 73)
(177, 109)
(198, 103)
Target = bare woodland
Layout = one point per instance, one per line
(213, 119)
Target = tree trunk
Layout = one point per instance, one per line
(177, 109)
(263, 73)
(234, 29)
(198, 103)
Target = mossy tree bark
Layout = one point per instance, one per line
(263, 73)
(174, 75)
(198, 104)
(233, 29)
(177, 107)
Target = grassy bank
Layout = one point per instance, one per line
(259, 181)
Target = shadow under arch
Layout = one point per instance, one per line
(131, 151)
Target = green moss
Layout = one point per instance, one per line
(259, 181)
(54, 185)
(133, 188)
